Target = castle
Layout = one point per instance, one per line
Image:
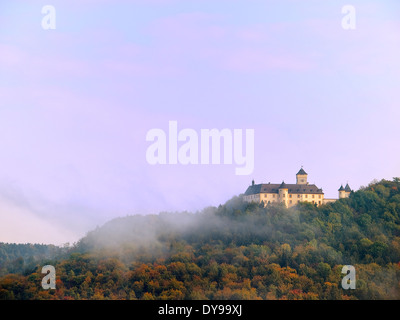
(291, 194)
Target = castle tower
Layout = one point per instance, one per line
(347, 190)
(301, 177)
(342, 193)
(283, 193)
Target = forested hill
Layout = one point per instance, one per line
(236, 251)
(17, 258)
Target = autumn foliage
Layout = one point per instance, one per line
(235, 251)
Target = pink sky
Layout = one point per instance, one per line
(76, 104)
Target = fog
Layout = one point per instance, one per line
(234, 223)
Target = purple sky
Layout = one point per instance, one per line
(76, 103)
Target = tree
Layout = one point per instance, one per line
(324, 270)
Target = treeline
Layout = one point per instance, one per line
(236, 251)
(19, 258)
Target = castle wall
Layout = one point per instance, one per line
(329, 201)
(290, 199)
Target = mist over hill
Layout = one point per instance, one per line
(20, 258)
(237, 250)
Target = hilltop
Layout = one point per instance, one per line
(238, 250)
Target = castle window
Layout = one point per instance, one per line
(306, 195)
(290, 195)
(320, 197)
(265, 195)
(298, 201)
(290, 201)
(298, 196)
(313, 196)
(273, 196)
(319, 202)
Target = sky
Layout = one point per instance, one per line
(78, 99)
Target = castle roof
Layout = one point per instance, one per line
(283, 185)
(292, 188)
(301, 171)
(341, 188)
(347, 188)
